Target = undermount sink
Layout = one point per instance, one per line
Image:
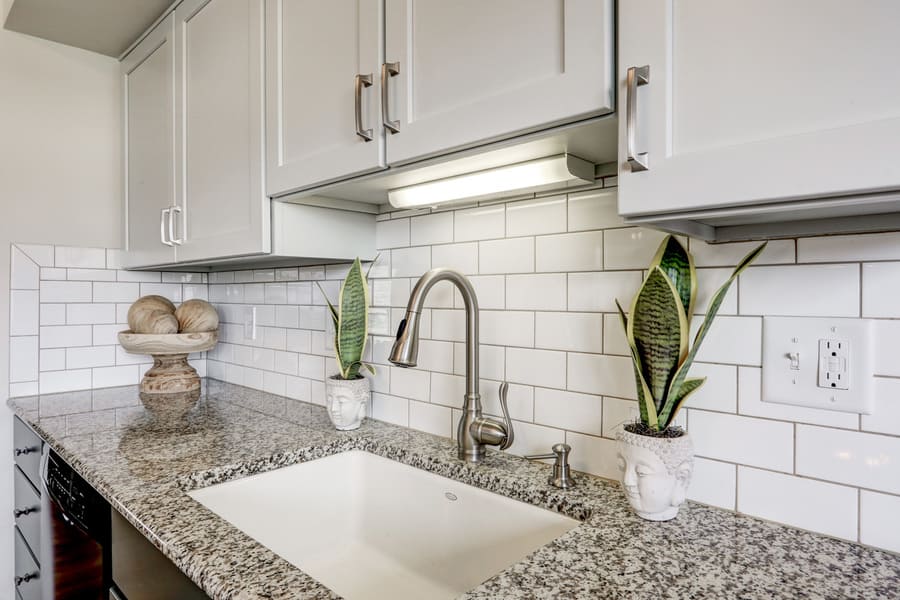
(369, 527)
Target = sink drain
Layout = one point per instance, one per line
(450, 496)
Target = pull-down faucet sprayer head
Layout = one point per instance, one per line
(405, 352)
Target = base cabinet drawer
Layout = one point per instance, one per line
(27, 573)
(27, 451)
(27, 511)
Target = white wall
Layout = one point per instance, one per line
(60, 181)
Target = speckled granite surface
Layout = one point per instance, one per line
(144, 460)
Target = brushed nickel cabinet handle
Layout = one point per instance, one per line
(388, 70)
(637, 76)
(163, 226)
(361, 82)
(175, 241)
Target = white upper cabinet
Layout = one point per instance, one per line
(149, 147)
(467, 72)
(219, 128)
(751, 102)
(323, 91)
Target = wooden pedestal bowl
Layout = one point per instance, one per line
(170, 373)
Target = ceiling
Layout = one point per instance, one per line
(105, 26)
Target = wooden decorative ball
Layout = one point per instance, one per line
(197, 316)
(148, 315)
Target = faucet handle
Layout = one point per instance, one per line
(510, 434)
(562, 476)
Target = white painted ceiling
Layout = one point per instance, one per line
(105, 26)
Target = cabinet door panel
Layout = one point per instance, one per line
(762, 101)
(474, 71)
(219, 92)
(314, 52)
(149, 145)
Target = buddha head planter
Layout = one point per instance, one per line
(656, 472)
(346, 401)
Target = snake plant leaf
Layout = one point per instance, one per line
(678, 265)
(658, 328)
(645, 400)
(335, 319)
(673, 403)
(353, 321)
(714, 304)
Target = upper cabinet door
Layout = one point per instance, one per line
(467, 72)
(219, 128)
(149, 147)
(757, 101)
(323, 91)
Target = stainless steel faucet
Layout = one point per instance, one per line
(474, 430)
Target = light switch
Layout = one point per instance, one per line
(819, 363)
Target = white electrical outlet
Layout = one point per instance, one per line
(819, 363)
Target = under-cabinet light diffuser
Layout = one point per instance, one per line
(532, 175)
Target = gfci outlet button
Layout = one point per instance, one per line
(819, 363)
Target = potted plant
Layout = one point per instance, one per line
(347, 392)
(655, 456)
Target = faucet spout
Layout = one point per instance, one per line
(474, 430)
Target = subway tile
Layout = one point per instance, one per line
(262, 358)
(410, 262)
(808, 290)
(326, 290)
(313, 273)
(719, 393)
(410, 383)
(138, 276)
(105, 335)
(299, 292)
(311, 367)
(713, 483)
(390, 409)
(221, 277)
(115, 376)
(25, 388)
(751, 403)
(287, 316)
(440, 296)
(593, 455)
(392, 234)
(24, 272)
(879, 521)
(86, 258)
(448, 325)
(312, 317)
(506, 256)
(708, 283)
(604, 375)
(52, 382)
(274, 338)
(23, 359)
(265, 315)
(849, 248)
(66, 291)
(191, 291)
(582, 251)
(126, 358)
(491, 359)
(65, 336)
(616, 414)
(430, 418)
(195, 278)
(288, 274)
(744, 440)
(728, 255)
(599, 291)
(90, 275)
(731, 340)
(263, 275)
(887, 339)
(52, 359)
(490, 290)
(338, 271)
(435, 356)
(544, 291)
(544, 368)
(297, 340)
(507, 328)
(461, 257)
(122, 292)
(274, 383)
(538, 216)
(577, 332)
(862, 459)
(436, 228)
(886, 416)
(535, 439)
(253, 378)
(812, 505)
(614, 341)
(90, 314)
(41, 254)
(594, 209)
(52, 274)
(92, 356)
(880, 289)
(630, 248)
(447, 390)
(519, 398)
(276, 293)
(390, 292)
(568, 410)
(297, 388)
(481, 223)
(24, 312)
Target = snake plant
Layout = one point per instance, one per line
(658, 327)
(351, 322)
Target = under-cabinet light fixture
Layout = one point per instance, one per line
(529, 176)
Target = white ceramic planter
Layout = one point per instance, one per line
(656, 472)
(346, 401)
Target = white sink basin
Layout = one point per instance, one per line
(369, 527)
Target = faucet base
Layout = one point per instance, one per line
(475, 455)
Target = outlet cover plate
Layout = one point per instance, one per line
(800, 336)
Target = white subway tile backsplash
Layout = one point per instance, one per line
(67, 291)
(125, 292)
(436, 356)
(859, 459)
(491, 358)
(41, 254)
(147, 276)
(720, 390)
(886, 416)
(849, 248)
(436, 228)
(461, 257)
(533, 217)
(568, 410)
(24, 312)
(576, 332)
(708, 283)
(813, 505)
(447, 390)
(24, 272)
(52, 359)
(581, 251)
(713, 483)
(90, 275)
(614, 341)
(743, 440)
(87, 258)
(115, 376)
(599, 374)
(728, 255)
(91, 356)
(90, 314)
(410, 262)
(880, 288)
(595, 209)
(23, 359)
(592, 454)
(391, 409)
(65, 336)
(52, 382)
(392, 234)
(630, 248)
(514, 255)
(53, 274)
(719, 345)
(410, 383)
(430, 418)
(879, 520)
(599, 291)
(542, 291)
(616, 414)
(490, 289)
(536, 439)
(808, 290)
(507, 328)
(482, 223)
(520, 400)
(276, 293)
(545, 368)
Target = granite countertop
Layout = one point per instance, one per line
(144, 461)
